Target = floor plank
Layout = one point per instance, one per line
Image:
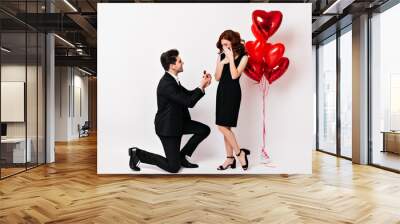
(70, 191)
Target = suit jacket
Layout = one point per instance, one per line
(173, 101)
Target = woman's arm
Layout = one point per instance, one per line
(236, 72)
(218, 69)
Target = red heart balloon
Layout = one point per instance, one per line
(273, 54)
(257, 34)
(275, 73)
(267, 23)
(256, 50)
(254, 70)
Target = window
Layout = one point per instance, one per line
(327, 96)
(385, 89)
(346, 93)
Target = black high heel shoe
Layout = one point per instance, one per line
(134, 159)
(231, 165)
(246, 152)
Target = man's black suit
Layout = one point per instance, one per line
(172, 121)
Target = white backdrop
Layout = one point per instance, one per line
(131, 38)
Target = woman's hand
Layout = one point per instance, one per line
(224, 61)
(229, 54)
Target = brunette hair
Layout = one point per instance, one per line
(237, 43)
(169, 57)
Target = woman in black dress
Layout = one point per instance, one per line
(231, 62)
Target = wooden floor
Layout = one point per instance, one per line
(70, 191)
(5, 172)
(387, 159)
(9, 171)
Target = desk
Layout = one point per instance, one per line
(391, 141)
(16, 148)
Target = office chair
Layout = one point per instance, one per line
(84, 130)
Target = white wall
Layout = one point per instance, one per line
(68, 82)
(129, 70)
(80, 84)
(61, 103)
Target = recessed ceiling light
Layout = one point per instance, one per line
(64, 40)
(70, 5)
(338, 6)
(5, 50)
(84, 71)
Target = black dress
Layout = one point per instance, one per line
(229, 95)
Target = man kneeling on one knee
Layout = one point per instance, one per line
(173, 119)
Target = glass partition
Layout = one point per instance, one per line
(14, 155)
(327, 96)
(22, 77)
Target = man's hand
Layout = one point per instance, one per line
(206, 80)
(208, 76)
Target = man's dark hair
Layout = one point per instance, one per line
(168, 57)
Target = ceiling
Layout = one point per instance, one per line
(75, 21)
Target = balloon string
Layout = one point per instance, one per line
(264, 89)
